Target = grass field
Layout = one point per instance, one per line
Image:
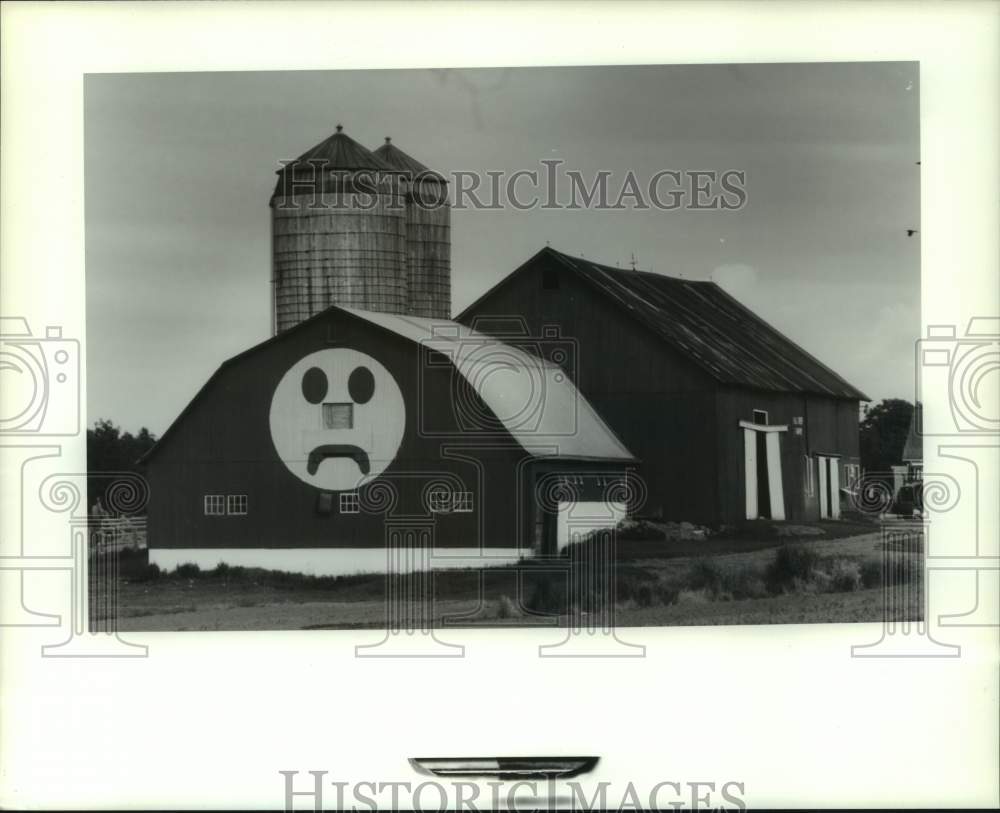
(735, 581)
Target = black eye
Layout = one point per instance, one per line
(361, 385)
(314, 385)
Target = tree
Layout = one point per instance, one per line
(883, 431)
(108, 450)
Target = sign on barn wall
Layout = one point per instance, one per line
(337, 419)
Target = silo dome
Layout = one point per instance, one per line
(338, 233)
(428, 233)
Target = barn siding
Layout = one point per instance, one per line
(830, 426)
(222, 445)
(680, 423)
(660, 405)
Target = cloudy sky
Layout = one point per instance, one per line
(179, 169)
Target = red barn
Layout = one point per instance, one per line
(358, 441)
(731, 419)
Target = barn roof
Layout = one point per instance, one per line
(560, 422)
(711, 328)
(534, 399)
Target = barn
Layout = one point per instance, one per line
(360, 441)
(731, 419)
(371, 433)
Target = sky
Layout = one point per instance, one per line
(179, 169)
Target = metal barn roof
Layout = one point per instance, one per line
(534, 399)
(711, 328)
(559, 423)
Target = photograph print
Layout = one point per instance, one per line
(590, 347)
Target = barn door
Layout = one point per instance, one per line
(829, 488)
(765, 495)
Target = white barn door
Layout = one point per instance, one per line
(775, 509)
(829, 488)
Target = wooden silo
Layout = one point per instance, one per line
(338, 234)
(428, 233)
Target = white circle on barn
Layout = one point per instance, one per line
(337, 419)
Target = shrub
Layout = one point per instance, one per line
(746, 582)
(506, 608)
(548, 594)
(146, 574)
(705, 574)
(639, 530)
(693, 597)
(221, 569)
(871, 573)
(791, 563)
(188, 570)
(845, 576)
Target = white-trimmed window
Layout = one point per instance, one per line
(338, 416)
(463, 502)
(852, 473)
(810, 476)
(215, 505)
(440, 502)
(236, 504)
(349, 503)
(760, 417)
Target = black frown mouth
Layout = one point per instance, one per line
(355, 453)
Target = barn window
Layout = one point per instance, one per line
(852, 473)
(440, 502)
(215, 505)
(463, 502)
(236, 504)
(760, 417)
(810, 477)
(550, 279)
(338, 416)
(349, 503)
(324, 503)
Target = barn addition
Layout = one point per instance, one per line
(731, 419)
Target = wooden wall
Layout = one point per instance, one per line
(222, 445)
(659, 404)
(830, 426)
(682, 425)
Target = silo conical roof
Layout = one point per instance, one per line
(392, 155)
(338, 155)
(341, 152)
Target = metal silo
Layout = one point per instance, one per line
(338, 233)
(428, 233)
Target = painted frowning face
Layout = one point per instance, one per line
(337, 419)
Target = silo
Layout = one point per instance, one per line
(428, 233)
(338, 233)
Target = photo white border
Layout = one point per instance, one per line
(208, 720)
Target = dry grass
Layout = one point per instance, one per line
(837, 580)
